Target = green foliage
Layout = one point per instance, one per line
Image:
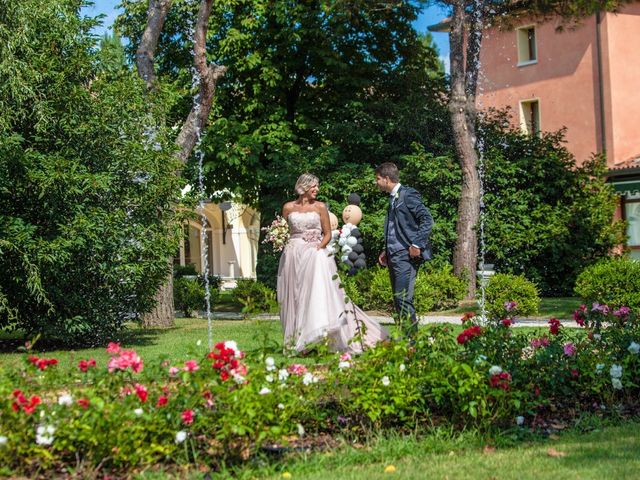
(545, 218)
(435, 289)
(613, 281)
(87, 181)
(329, 87)
(438, 289)
(504, 288)
(370, 289)
(254, 296)
(189, 295)
(221, 408)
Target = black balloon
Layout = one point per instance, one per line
(354, 199)
(360, 263)
(353, 256)
(362, 256)
(355, 233)
(360, 240)
(358, 248)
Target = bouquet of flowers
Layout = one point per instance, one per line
(277, 233)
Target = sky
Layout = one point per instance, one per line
(430, 16)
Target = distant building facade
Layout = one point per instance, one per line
(233, 231)
(586, 79)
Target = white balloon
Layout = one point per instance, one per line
(331, 249)
(351, 241)
(335, 234)
(347, 249)
(342, 241)
(344, 258)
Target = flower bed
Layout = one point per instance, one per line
(127, 414)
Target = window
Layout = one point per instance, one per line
(530, 117)
(632, 216)
(527, 50)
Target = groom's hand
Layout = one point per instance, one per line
(382, 259)
(414, 251)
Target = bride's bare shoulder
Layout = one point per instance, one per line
(287, 208)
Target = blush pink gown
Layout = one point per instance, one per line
(312, 306)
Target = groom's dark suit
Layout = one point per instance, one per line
(408, 223)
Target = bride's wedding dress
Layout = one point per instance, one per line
(312, 305)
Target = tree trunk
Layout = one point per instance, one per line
(464, 74)
(163, 314)
(208, 76)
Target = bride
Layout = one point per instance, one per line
(312, 305)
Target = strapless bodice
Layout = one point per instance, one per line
(305, 225)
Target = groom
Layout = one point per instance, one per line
(406, 231)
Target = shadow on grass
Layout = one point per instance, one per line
(131, 334)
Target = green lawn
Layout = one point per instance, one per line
(559, 307)
(610, 453)
(188, 339)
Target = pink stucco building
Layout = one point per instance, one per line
(586, 79)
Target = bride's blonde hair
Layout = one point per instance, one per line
(305, 182)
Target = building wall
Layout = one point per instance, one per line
(564, 80)
(232, 252)
(622, 49)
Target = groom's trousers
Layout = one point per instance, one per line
(402, 272)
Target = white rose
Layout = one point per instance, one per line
(271, 363)
(519, 420)
(343, 365)
(352, 241)
(233, 346)
(181, 436)
(402, 367)
(634, 348)
(385, 381)
(3, 440)
(65, 400)
(617, 384)
(615, 371)
(283, 374)
(138, 411)
(308, 378)
(495, 370)
(264, 391)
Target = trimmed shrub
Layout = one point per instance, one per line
(254, 296)
(504, 288)
(614, 281)
(188, 295)
(438, 289)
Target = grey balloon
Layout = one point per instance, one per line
(360, 263)
(353, 199)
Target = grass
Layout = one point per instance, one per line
(606, 452)
(558, 307)
(612, 452)
(187, 340)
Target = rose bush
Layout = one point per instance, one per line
(128, 413)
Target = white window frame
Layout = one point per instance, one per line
(524, 125)
(522, 45)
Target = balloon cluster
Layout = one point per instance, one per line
(347, 242)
